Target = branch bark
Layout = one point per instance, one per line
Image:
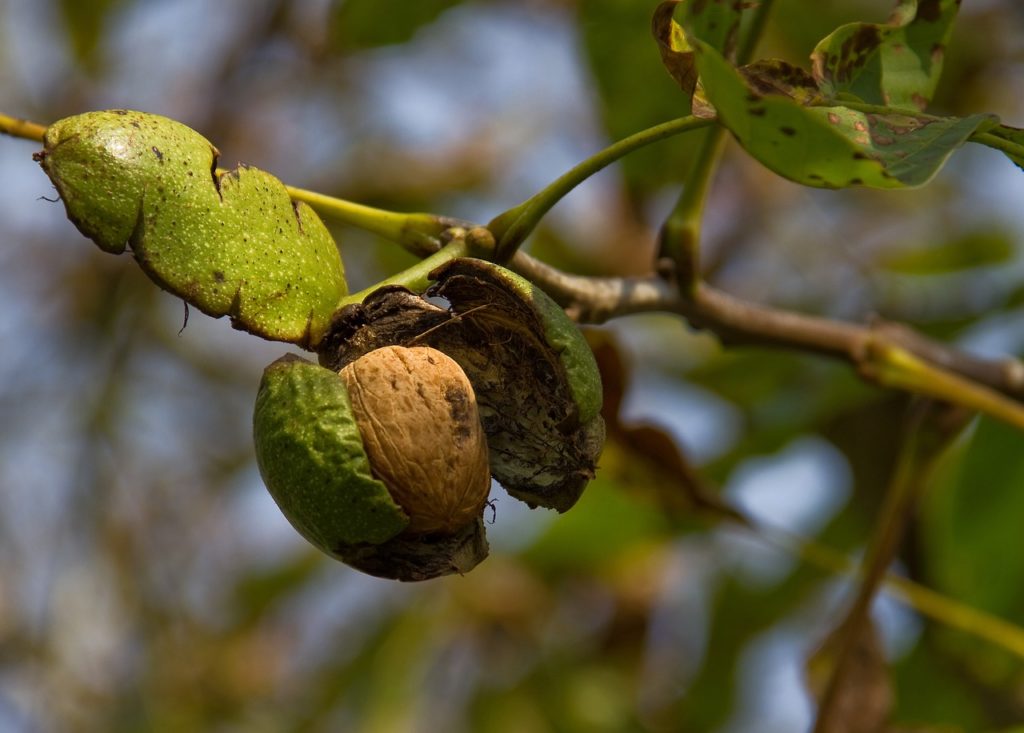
(873, 349)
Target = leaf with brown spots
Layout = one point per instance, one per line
(829, 147)
(717, 22)
(897, 63)
(774, 76)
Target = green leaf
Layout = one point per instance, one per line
(969, 517)
(717, 23)
(85, 22)
(830, 147)
(358, 24)
(896, 63)
(975, 249)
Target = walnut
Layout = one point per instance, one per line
(417, 413)
(382, 454)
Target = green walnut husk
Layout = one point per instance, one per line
(311, 456)
(535, 378)
(229, 244)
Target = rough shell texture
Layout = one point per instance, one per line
(422, 557)
(535, 378)
(421, 429)
(230, 244)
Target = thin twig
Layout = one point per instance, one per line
(17, 127)
(511, 228)
(929, 432)
(932, 604)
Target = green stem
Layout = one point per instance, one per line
(755, 30)
(927, 602)
(418, 233)
(876, 109)
(1010, 148)
(680, 234)
(417, 277)
(926, 439)
(512, 227)
(16, 127)
(896, 368)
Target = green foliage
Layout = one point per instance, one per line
(716, 23)
(896, 64)
(358, 24)
(856, 120)
(606, 523)
(632, 92)
(830, 146)
(971, 516)
(974, 249)
(84, 23)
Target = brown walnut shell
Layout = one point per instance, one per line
(421, 430)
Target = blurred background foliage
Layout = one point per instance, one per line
(148, 582)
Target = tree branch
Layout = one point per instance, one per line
(888, 354)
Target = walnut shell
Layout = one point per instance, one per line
(537, 384)
(418, 416)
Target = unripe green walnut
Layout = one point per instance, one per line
(418, 417)
(229, 243)
(382, 465)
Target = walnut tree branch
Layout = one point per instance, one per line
(889, 354)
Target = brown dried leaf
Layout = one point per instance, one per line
(676, 54)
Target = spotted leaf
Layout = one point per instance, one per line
(897, 63)
(829, 147)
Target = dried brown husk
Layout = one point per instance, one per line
(421, 557)
(540, 450)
